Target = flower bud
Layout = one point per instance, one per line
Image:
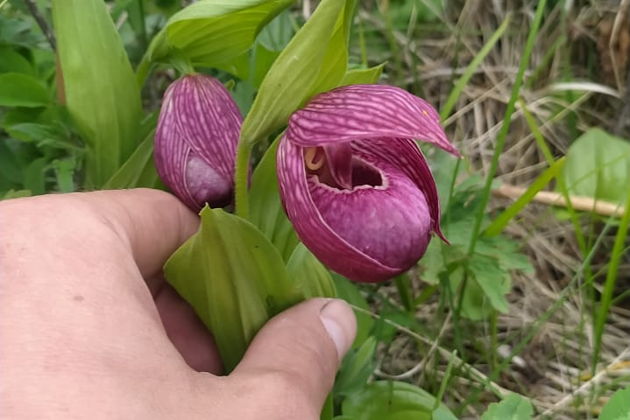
(195, 141)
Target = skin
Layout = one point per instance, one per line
(90, 329)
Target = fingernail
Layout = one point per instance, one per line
(340, 323)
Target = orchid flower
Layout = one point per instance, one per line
(355, 185)
(195, 141)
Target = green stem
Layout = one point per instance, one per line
(241, 196)
(505, 127)
(404, 291)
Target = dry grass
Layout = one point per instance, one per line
(553, 367)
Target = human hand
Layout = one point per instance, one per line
(89, 328)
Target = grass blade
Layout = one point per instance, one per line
(470, 70)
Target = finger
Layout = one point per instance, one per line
(152, 222)
(298, 352)
(187, 333)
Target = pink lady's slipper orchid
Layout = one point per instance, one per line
(195, 141)
(355, 185)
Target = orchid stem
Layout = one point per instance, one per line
(241, 197)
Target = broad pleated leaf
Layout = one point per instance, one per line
(213, 33)
(312, 278)
(233, 278)
(302, 69)
(100, 87)
(266, 208)
(393, 400)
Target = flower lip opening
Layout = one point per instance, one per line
(363, 174)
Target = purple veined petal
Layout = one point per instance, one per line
(390, 223)
(209, 121)
(405, 155)
(311, 227)
(366, 112)
(171, 153)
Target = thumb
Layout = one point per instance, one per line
(296, 354)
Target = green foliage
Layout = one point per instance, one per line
(349, 292)
(356, 369)
(512, 407)
(233, 278)
(618, 407)
(101, 92)
(312, 278)
(392, 400)
(302, 69)
(18, 89)
(138, 171)
(501, 221)
(488, 270)
(14, 62)
(213, 33)
(362, 76)
(267, 213)
(597, 165)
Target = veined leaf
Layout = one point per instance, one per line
(312, 278)
(212, 32)
(512, 407)
(100, 87)
(393, 400)
(618, 406)
(138, 171)
(362, 76)
(233, 278)
(597, 165)
(314, 61)
(266, 209)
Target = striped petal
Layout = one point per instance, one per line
(311, 227)
(171, 153)
(209, 120)
(195, 142)
(365, 112)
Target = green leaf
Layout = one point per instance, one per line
(392, 400)
(493, 281)
(512, 407)
(138, 171)
(34, 176)
(14, 62)
(597, 164)
(312, 278)
(362, 76)
(233, 278)
(213, 32)
(101, 92)
(277, 34)
(356, 369)
(266, 208)
(18, 89)
(314, 61)
(16, 194)
(618, 406)
(349, 292)
(64, 172)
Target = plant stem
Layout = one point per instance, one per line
(505, 127)
(611, 281)
(41, 22)
(241, 197)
